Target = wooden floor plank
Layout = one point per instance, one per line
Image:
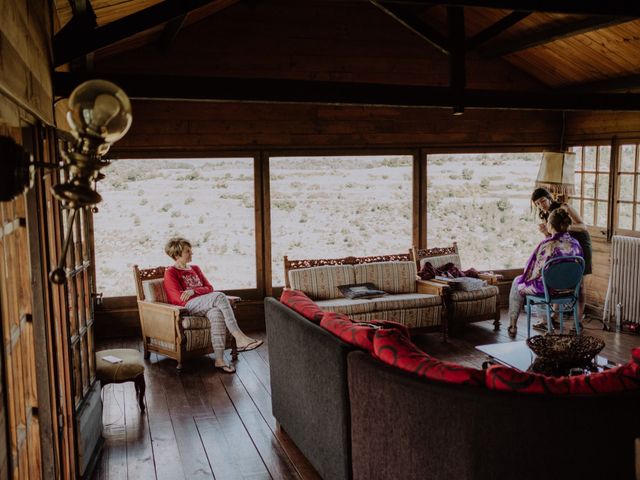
(272, 454)
(114, 431)
(140, 461)
(231, 452)
(163, 441)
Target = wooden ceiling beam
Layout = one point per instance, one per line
(410, 21)
(552, 34)
(337, 93)
(496, 29)
(77, 42)
(571, 7)
(626, 82)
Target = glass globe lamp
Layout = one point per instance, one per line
(99, 111)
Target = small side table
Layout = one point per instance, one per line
(130, 369)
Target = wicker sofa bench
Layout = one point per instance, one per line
(395, 274)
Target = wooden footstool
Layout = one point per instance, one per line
(130, 369)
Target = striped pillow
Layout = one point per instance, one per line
(392, 277)
(321, 283)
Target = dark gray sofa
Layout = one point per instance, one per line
(309, 398)
(353, 416)
(407, 427)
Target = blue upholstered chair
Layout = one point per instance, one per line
(561, 277)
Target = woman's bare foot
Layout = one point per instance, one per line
(245, 343)
(224, 367)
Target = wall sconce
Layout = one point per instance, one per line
(99, 115)
(557, 173)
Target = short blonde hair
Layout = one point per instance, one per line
(175, 246)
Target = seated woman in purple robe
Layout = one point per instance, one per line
(559, 244)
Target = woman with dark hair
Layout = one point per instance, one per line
(558, 244)
(544, 205)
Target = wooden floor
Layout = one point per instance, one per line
(205, 424)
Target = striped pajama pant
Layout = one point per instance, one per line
(216, 307)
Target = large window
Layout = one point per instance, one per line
(482, 202)
(209, 201)
(327, 207)
(628, 201)
(591, 197)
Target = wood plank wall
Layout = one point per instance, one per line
(25, 100)
(601, 126)
(25, 70)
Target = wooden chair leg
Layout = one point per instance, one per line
(140, 390)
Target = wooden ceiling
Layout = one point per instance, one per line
(432, 44)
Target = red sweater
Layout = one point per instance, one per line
(177, 281)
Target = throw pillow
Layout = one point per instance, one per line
(397, 350)
(299, 302)
(359, 334)
(360, 290)
(619, 379)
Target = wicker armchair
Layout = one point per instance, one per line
(462, 307)
(169, 329)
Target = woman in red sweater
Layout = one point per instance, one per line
(187, 287)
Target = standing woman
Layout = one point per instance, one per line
(544, 205)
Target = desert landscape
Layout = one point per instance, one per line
(320, 207)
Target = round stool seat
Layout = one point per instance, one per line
(129, 368)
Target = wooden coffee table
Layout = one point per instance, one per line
(517, 355)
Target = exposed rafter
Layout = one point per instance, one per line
(84, 18)
(74, 42)
(626, 82)
(552, 34)
(298, 91)
(496, 29)
(412, 22)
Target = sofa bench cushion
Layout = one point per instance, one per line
(397, 350)
(359, 334)
(489, 291)
(347, 305)
(301, 303)
(392, 277)
(321, 283)
(400, 301)
(619, 379)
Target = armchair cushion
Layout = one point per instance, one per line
(154, 290)
(191, 322)
(321, 283)
(441, 260)
(392, 277)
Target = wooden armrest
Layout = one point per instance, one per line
(490, 278)
(160, 320)
(160, 307)
(233, 299)
(432, 288)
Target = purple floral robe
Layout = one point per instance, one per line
(558, 245)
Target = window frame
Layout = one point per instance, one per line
(617, 145)
(596, 231)
(267, 154)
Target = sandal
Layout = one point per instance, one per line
(512, 331)
(250, 346)
(226, 368)
(543, 325)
